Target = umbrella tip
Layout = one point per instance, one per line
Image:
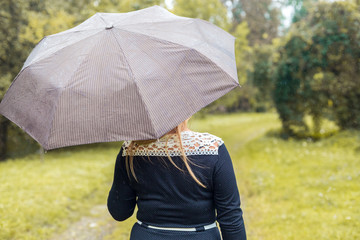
(109, 27)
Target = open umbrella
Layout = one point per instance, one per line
(120, 76)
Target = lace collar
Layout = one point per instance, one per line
(194, 143)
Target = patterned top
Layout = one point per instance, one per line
(194, 143)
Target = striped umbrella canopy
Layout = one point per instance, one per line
(120, 76)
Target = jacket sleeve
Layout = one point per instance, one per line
(122, 198)
(227, 199)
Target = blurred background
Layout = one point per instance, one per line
(293, 129)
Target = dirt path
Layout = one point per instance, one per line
(94, 227)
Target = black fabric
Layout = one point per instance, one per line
(168, 197)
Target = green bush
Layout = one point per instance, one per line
(318, 72)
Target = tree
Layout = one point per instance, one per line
(262, 17)
(212, 10)
(242, 51)
(261, 76)
(336, 50)
(288, 94)
(318, 71)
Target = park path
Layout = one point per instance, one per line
(100, 224)
(96, 226)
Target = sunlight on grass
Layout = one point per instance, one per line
(327, 126)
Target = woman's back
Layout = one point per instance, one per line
(168, 196)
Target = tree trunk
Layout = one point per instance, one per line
(4, 123)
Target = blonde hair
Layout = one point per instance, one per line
(129, 161)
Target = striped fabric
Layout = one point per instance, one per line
(127, 76)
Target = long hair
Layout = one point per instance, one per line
(133, 146)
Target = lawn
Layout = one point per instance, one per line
(301, 189)
(289, 189)
(41, 196)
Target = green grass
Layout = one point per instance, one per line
(300, 189)
(41, 197)
(295, 189)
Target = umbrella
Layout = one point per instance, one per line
(120, 76)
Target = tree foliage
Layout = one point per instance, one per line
(318, 71)
(212, 10)
(262, 17)
(261, 76)
(124, 5)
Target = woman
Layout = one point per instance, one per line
(181, 184)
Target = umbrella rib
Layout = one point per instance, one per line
(53, 53)
(145, 106)
(99, 15)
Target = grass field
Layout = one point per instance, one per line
(289, 189)
(300, 189)
(295, 189)
(40, 197)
